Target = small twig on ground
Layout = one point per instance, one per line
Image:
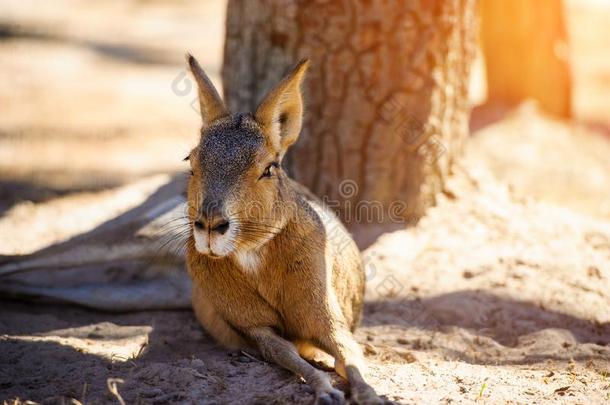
(248, 355)
(83, 396)
(112, 387)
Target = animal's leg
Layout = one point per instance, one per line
(314, 354)
(280, 351)
(349, 363)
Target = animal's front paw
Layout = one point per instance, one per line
(366, 395)
(331, 396)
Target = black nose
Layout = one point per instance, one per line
(217, 224)
(220, 227)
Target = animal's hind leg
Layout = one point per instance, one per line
(350, 365)
(314, 354)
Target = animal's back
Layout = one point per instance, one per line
(348, 275)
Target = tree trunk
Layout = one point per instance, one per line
(386, 96)
(526, 52)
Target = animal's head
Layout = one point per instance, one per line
(237, 189)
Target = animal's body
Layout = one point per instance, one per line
(281, 284)
(272, 268)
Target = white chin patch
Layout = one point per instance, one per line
(219, 245)
(248, 260)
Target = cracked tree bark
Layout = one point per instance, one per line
(386, 96)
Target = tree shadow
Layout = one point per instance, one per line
(504, 319)
(13, 192)
(50, 358)
(123, 225)
(494, 323)
(130, 54)
(114, 264)
(180, 362)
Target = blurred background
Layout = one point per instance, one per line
(89, 98)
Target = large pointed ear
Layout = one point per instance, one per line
(280, 114)
(210, 103)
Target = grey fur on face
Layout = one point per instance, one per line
(226, 150)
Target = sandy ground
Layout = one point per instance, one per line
(501, 294)
(491, 298)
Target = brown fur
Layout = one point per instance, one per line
(289, 281)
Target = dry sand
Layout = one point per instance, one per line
(491, 298)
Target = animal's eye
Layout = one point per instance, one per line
(270, 170)
(192, 173)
